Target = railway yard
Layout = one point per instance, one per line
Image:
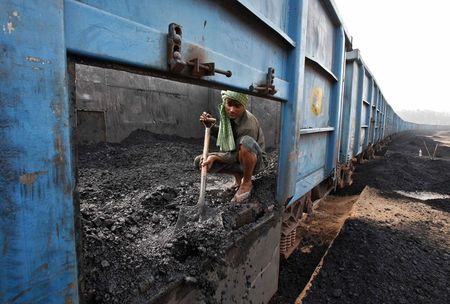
(393, 247)
(106, 104)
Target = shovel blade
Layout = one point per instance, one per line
(198, 214)
(186, 215)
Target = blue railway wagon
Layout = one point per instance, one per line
(364, 116)
(389, 129)
(319, 115)
(290, 51)
(367, 118)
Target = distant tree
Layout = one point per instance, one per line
(425, 117)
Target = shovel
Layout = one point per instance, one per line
(200, 212)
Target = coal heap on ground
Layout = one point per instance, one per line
(401, 168)
(130, 197)
(396, 246)
(393, 258)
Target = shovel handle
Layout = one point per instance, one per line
(201, 200)
(209, 122)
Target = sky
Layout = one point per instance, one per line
(406, 46)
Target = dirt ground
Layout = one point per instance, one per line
(395, 247)
(318, 230)
(130, 197)
(390, 250)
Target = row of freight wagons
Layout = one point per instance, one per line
(296, 52)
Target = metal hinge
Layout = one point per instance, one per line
(193, 67)
(266, 88)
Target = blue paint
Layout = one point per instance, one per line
(37, 264)
(336, 103)
(118, 32)
(318, 150)
(291, 111)
(37, 242)
(351, 111)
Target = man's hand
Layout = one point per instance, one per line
(209, 161)
(207, 119)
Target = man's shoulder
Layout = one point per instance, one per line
(252, 118)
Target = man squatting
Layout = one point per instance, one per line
(241, 142)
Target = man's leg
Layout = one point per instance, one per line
(248, 161)
(249, 156)
(222, 168)
(237, 180)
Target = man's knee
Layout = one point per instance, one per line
(197, 161)
(250, 144)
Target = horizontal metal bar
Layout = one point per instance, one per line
(316, 130)
(267, 22)
(321, 67)
(93, 33)
(366, 102)
(364, 126)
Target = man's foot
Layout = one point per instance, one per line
(237, 181)
(233, 188)
(243, 193)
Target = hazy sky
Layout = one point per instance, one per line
(406, 45)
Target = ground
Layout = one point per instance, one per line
(395, 246)
(393, 249)
(390, 250)
(131, 195)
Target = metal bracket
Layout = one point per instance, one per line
(177, 65)
(267, 88)
(174, 61)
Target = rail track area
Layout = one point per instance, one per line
(395, 245)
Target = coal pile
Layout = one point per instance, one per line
(401, 168)
(130, 197)
(395, 248)
(389, 251)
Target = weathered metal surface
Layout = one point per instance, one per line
(351, 114)
(303, 40)
(224, 35)
(37, 257)
(321, 104)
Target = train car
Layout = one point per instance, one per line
(367, 118)
(363, 120)
(291, 52)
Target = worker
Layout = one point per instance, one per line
(241, 142)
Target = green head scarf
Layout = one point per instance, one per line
(225, 139)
